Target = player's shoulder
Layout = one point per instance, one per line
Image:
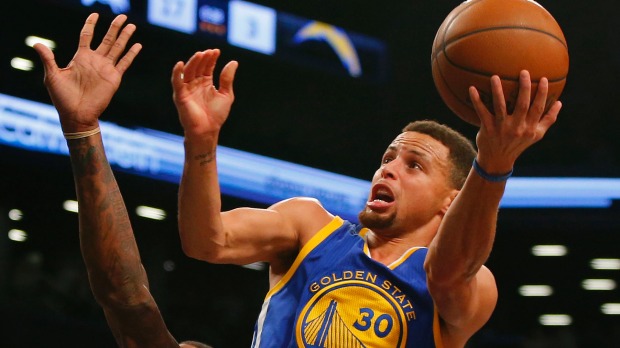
(306, 214)
(300, 203)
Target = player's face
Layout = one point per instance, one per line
(411, 187)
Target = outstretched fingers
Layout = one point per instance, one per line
(486, 118)
(208, 66)
(88, 30)
(227, 77)
(177, 76)
(118, 46)
(537, 109)
(499, 101)
(47, 58)
(124, 63)
(110, 38)
(550, 117)
(522, 104)
(536, 114)
(192, 67)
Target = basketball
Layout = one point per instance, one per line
(482, 38)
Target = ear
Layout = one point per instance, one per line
(448, 200)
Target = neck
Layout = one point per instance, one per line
(387, 249)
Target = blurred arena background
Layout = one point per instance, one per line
(306, 101)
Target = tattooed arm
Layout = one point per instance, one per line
(117, 277)
(80, 93)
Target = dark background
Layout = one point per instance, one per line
(305, 115)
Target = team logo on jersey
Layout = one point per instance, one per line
(352, 313)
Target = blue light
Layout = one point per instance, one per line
(252, 26)
(117, 6)
(561, 192)
(173, 15)
(34, 126)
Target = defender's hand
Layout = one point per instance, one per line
(82, 91)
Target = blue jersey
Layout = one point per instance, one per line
(335, 295)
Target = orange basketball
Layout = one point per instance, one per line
(482, 38)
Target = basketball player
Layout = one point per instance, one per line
(81, 92)
(412, 273)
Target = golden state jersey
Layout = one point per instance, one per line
(335, 295)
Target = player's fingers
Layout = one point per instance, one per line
(208, 66)
(522, 104)
(128, 58)
(110, 37)
(121, 42)
(551, 116)
(227, 77)
(486, 119)
(537, 109)
(499, 102)
(177, 76)
(47, 57)
(86, 35)
(192, 66)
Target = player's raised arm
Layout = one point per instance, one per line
(242, 235)
(81, 92)
(463, 289)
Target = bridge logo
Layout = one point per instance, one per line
(351, 314)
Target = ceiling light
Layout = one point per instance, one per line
(598, 284)
(605, 264)
(18, 235)
(70, 205)
(169, 266)
(549, 250)
(32, 40)
(16, 214)
(150, 212)
(555, 319)
(535, 290)
(611, 308)
(257, 266)
(22, 64)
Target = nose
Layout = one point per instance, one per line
(388, 170)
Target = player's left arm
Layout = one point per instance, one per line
(118, 279)
(81, 92)
(463, 289)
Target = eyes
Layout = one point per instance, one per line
(414, 165)
(411, 163)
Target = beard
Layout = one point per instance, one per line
(374, 221)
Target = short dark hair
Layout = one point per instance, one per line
(462, 151)
(196, 344)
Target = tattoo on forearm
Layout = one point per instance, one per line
(86, 157)
(205, 157)
(105, 226)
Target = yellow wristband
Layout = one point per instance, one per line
(79, 135)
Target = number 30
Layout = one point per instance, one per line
(364, 322)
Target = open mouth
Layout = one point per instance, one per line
(382, 193)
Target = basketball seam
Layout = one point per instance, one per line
(442, 49)
(443, 39)
(447, 85)
(480, 73)
(446, 43)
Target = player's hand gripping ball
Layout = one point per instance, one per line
(482, 38)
